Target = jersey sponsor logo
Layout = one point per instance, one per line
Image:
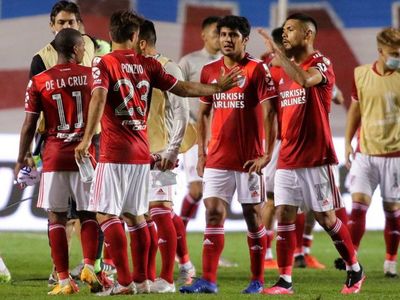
(293, 97)
(136, 124)
(95, 72)
(70, 137)
(132, 68)
(228, 100)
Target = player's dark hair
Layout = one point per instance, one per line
(67, 6)
(277, 35)
(122, 24)
(235, 22)
(209, 21)
(303, 18)
(148, 32)
(65, 41)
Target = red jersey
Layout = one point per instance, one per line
(129, 78)
(303, 117)
(237, 128)
(63, 94)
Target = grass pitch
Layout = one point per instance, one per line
(27, 256)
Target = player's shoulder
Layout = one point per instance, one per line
(317, 56)
(363, 68)
(191, 55)
(217, 63)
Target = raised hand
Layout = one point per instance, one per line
(228, 80)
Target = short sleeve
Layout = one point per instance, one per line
(324, 66)
(32, 99)
(160, 78)
(204, 78)
(263, 82)
(100, 74)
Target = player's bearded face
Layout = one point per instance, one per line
(293, 35)
(232, 42)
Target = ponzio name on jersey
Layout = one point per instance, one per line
(132, 68)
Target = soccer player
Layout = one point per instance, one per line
(304, 176)
(123, 82)
(64, 14)
(191, 65)
(242, 117)
(376, 109)
(62, 93)
(168, 117)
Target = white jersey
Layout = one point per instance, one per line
(191, 65)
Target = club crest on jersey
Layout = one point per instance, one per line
(241, 81)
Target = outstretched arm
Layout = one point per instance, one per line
(305, 78)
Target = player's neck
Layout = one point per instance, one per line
(210, 50)
(382, 69)
(64, 60)
(231, 61)
(150, 51)
(122, 46)
(302, 54)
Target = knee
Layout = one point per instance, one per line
(196, 190)
(327, 220)
(286, 213)
(57, 217)
(215, 215)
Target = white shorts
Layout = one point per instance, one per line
(307, 188)
(190, 163)
(270, 169)
(120, 188)
(57, 187)
(223, 184)
(367, 172)
(162, 193)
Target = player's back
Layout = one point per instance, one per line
(128, 77)
(63, 94)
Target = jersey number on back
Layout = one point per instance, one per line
(123, 109)
(77, 95)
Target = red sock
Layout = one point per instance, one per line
(356, 223)
(181, 249)
(59, 249)
(285, 244)
(392, 234)
(307, 243)
(300, 220)
(167, 240)
(257, 242)
(114, 236)
(341, 213)
(189, 208)
(213, 244)
(140, 246)
(107, 256)
(151, 267)
(342, 240)
(89, 240)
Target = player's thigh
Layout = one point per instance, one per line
(250, 188)
(135, 185)
(54, 191)
(318, 188)
(364, 176)
(287, 189)
(159, 192)
(219, 184)
(80, 191)
(389, 170)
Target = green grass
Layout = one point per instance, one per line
(27, 256)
